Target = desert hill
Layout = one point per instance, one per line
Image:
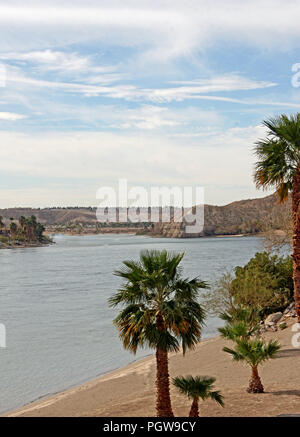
(244, 216)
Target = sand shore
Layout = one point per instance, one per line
(130, 391)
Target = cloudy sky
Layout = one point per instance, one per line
(157, 92)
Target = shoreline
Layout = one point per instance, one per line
(68, 390)
(86, 234)
(49, 399)
(130, 390)
(25, 246)
(83, 234)
(113, 373)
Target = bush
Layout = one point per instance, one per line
(265, 283)
(3, 239)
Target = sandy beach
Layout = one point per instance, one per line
(130, 391)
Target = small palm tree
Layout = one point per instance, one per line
(278, 166)
(198, 387)
(254, 352)
(241, 322)
(161, 311)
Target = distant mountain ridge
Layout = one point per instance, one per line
(239, 217)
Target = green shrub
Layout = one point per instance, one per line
(265, 283)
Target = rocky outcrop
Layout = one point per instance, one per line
(278, 320)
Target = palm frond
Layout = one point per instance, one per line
(235, 330)
(218, 397)
(198, 387)
(235, 354)
(253, 351)
(154, 286)
(278, 154)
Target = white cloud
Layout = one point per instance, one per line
(51, 60)
(209, 85)
(227, 82)
(149, 117)
(166, 29)
(131, 92)
(15, 76)
(216, 161)
(66, 63)
(11, 116)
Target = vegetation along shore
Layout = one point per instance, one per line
(24, 232)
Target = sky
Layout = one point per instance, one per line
(161, 93)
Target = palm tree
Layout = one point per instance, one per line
(278, 165)
(241, 322)
(22, 221)
(161, 311)
(198, 387)
(30, 228)
(254, 352)
(13, 230)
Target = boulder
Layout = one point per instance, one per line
(273, 318)
(290, 308)
(290, 311)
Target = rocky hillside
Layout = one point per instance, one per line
(245, 216)
(242, 217)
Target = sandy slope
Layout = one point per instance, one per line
(130, 390)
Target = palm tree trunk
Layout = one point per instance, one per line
(194, 411)
(163, 399)
(296, 240)
(255, 385)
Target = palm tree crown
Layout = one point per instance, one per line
(279, 165)
(161, 308)
(241, 322)
(253, 351)
(279, 154)
(198, 387)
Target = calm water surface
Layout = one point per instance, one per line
(53, 302)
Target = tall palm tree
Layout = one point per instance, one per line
(13, 230)
(30, 228)
(278, 166)
(161, 311)
(253, 352)
(22, 221)
(198, 387)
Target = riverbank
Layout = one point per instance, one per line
(26, 245)
(130, 391)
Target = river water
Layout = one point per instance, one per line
(53, 303)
